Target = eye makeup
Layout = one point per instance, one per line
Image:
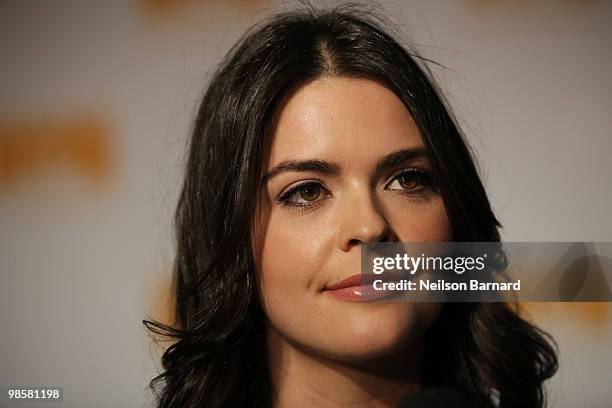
(311, 194)
(304, 196)
(411, 181)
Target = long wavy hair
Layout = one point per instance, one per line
(218, 355)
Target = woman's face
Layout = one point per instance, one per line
(344, 167)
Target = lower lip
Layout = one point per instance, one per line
(360, 293)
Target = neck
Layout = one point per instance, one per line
(303, 378)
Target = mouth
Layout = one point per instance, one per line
(360, 288)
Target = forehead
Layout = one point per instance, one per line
(340, 119)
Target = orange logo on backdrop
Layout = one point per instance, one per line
(29, 148)
(595, 315)
(166, 8)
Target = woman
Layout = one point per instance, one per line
(317, 134)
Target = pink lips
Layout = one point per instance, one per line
(357, 288)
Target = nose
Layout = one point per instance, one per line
(362, 221)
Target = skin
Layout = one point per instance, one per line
(325, 351)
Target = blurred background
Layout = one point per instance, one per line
(96, 103)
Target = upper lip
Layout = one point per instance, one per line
(361, 279)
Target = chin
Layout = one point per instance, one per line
(354, 332)
(377, 332)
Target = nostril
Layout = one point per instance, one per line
(354, 242)
(389, 236)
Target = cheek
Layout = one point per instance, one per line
(420, 221)
(292, 252)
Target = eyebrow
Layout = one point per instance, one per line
(325, 167)
(399, 157)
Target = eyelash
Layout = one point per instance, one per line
(423, 177)
(284, 198)
(425, 183)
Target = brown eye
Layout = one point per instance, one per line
(410, 181)
(310, 192)
(304, 195)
